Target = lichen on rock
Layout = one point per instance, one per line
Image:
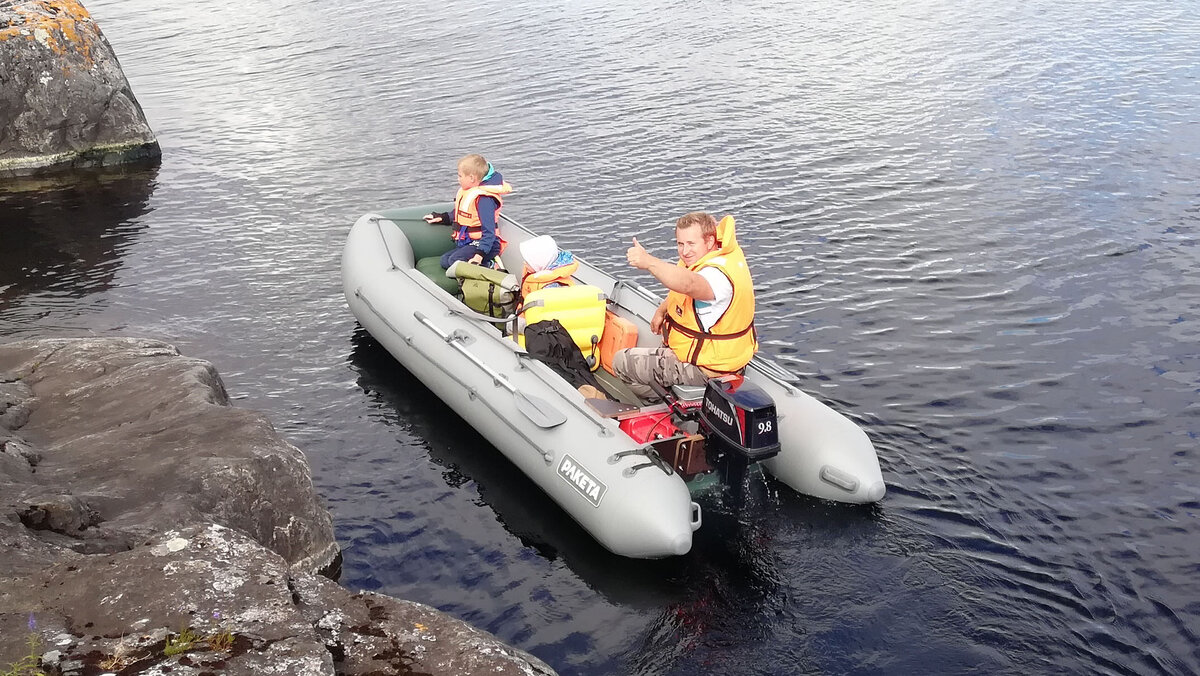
(64, 100)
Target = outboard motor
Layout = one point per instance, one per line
(739, 424)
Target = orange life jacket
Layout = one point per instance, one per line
(728, 345)
(532, 281)
(466, 211)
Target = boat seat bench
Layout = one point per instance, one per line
(428, 243)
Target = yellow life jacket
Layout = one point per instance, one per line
(466, 211)
(728, 345)
(579, 308)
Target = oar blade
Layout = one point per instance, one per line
(539, 411)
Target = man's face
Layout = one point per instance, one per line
(692, 244)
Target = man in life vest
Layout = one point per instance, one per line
(707, 320)
(476, 213)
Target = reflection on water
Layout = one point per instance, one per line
(972, 229)
(64, 234)
(468, 460)
(733, 569)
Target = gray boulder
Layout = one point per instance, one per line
(64, 100)
(146, 526)
(132, 439)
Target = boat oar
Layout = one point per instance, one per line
(539, 411)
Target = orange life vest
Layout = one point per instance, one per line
(466, 211)
(532, 281)
(728, 345)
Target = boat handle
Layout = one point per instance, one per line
(655, 460)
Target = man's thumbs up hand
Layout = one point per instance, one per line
(638, 257)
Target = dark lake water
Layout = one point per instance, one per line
(973, 230)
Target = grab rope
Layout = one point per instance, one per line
(379, 228)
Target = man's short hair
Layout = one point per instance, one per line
(473, 165)
(706, 221)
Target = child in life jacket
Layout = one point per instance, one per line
(476, 215)
(545, 265)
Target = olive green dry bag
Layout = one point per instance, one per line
(487, 291)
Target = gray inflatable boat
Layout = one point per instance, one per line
(624, 481)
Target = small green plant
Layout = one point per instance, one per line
(27, 665)
(184, 641)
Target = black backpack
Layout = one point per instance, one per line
(549, 341)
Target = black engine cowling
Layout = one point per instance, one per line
(738, 417)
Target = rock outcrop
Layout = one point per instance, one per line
(64, 100)
(128, 439)
(207, 599)
(146, 526)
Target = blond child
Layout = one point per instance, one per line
(476, 215)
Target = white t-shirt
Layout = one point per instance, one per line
(709, 311)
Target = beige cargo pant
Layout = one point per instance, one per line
(639, 366)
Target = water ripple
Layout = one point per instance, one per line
(972, 230)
